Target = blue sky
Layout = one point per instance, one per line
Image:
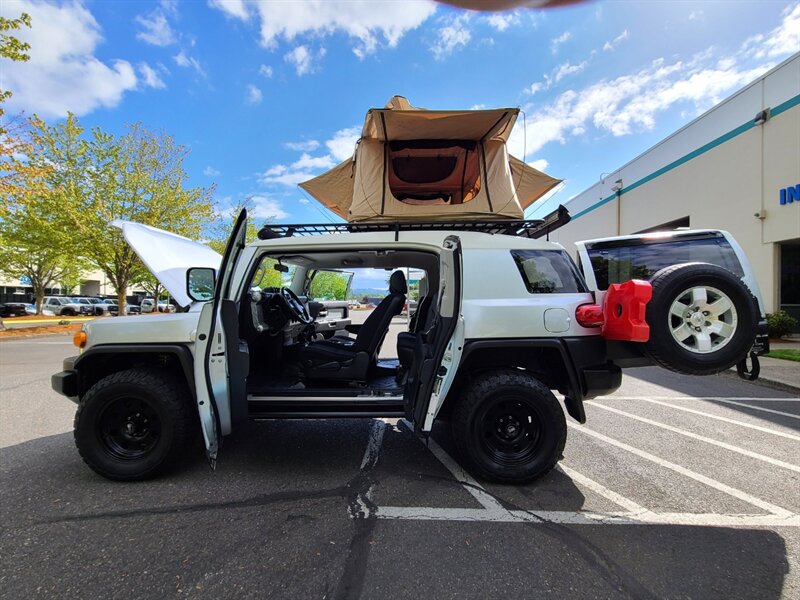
(266, 94)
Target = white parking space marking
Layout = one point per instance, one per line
(602, 490)
(760, 408)
(713, 483)
(494, 512)
(702, 438)
(724, 419)
(717, 398)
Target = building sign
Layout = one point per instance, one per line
(25, 280)
(790, 194)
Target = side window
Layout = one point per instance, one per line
(548, 272)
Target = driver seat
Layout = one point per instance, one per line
(344, 358)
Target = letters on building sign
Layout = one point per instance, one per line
(790, 194)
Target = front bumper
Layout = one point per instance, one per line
(66, 381)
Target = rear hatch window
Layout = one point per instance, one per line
(618, 263)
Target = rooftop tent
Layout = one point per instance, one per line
(416, 164)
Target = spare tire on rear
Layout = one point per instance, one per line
(702, 318)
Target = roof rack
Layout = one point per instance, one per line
(528, 229)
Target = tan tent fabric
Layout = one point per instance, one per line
(334, 188)
(530, 183)
(362, 190)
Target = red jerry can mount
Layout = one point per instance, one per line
(624, 308)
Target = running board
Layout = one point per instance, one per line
(324, 408)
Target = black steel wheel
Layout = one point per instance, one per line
(134, 424)
(509, 427)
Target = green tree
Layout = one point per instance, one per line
(11, 47)
(138, 176)
(329, 285)
(31, 247)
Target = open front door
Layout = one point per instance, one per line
(221, 360)
(437, 352)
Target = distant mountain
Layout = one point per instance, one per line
(359, 292)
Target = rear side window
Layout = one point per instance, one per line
(642, 261)
(548, 272)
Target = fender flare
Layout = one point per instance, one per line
(180, 351)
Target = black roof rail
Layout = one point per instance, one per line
(533, 229)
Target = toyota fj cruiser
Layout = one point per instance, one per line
(503, 320)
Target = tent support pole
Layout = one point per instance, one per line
(486, 176)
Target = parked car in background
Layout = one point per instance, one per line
(148, 305)
(13, 309)
(113, 307)
(64, 306)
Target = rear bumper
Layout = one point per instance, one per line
(66, 382)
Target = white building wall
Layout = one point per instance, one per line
(720, 170)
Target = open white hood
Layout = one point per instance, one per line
(168, 255)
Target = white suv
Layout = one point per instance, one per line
(503, 319)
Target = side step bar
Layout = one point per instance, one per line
(327, 408)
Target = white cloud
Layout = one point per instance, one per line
(232, 8)
(210, 172)
(303, 59)
(343, 143)
(631, 103)
(368, 25)
(263, 207)
(568, 69)
(452, 36)
(540, 164)
(307, 162)
(555, 43)
(304, 201)
(265, 71)
(63, 74)
(534, 87)
(188, 62)
(156, 29)
(340, 147)
(502, 21)
(151, 77)
(477, 107)
(304, 146)
(616, 41)
(253, 95)
(696, 15)
(781, 41)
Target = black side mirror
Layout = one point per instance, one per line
(200, 283)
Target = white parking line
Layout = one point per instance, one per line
(702, 438)
(602, 490)
(494, 512)
(724, 419)
(713, 483)
(761, 408)
(744, 398)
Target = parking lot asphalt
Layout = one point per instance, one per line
(676, 487)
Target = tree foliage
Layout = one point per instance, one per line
(329, 285)
(11, 47)
(95, 179)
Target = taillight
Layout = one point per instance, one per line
(589, 315)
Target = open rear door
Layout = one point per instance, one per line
(221, 359)
(437, 351)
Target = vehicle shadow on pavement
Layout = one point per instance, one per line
(276, 519)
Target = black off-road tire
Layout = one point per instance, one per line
(663, 347)
(164, 426)
(498, 403)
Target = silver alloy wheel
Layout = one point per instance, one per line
(702, 319)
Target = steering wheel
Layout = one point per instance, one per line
(299, 310)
